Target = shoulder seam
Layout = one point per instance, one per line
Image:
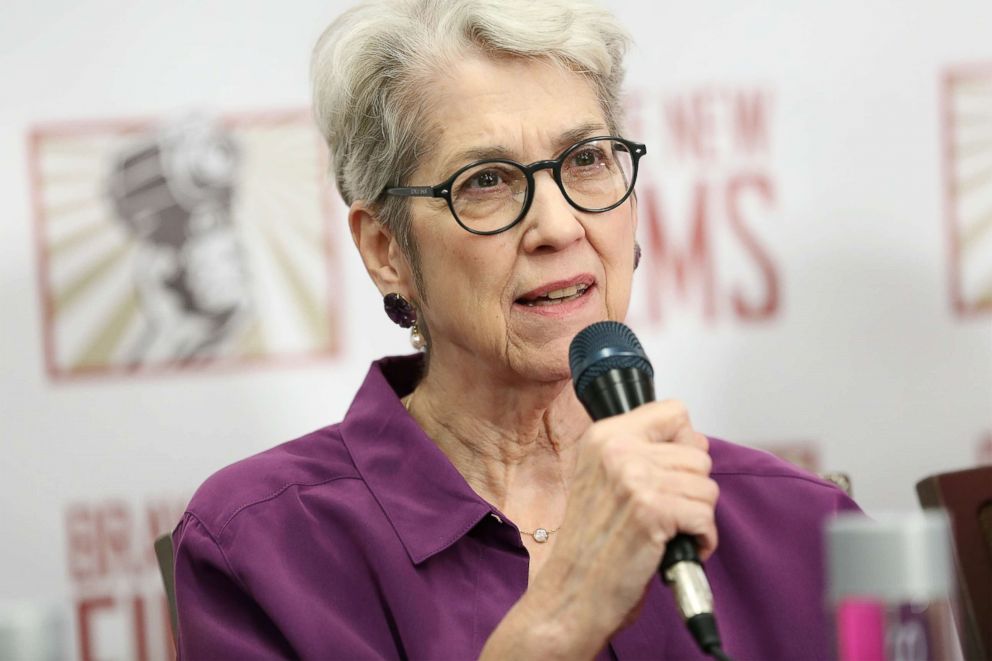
(276, 494)
(220, 549)
(811, 479)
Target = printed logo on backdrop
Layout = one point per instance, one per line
(967, 99)
(983, 449)
(708, 205)
(183, 243)
(119, 600)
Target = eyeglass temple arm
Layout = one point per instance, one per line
(413, 191)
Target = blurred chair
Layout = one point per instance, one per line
(967, 497)
(163, 551)
(33, 630)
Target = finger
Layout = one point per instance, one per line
(698, 488)
(656, 421)
(675, 502)
(699, 520)
(669, 456)
(678, 429)
(706, 544)
(690, 437)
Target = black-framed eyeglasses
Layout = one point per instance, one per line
(490, 196)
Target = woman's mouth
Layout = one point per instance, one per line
(560, 298)
(556, 297)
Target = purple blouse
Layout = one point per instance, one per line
(361, 540)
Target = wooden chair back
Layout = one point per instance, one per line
(163, 552)
(967, 497)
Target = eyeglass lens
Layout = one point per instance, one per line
(594, 176)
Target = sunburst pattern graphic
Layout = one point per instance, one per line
(183, 244)
(968, 121)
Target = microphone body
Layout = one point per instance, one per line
(612, 375)
(617, 391)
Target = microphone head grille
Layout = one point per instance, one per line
(601, 347)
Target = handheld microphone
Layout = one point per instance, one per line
(612, 375)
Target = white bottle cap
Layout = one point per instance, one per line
(893, 558)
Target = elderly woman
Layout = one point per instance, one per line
(467, 505)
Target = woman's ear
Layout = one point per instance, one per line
(381, 254)
(633, 213)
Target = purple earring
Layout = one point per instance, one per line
(637, 254)
(403, 314)
(399, 310)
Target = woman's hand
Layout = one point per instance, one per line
(640, 479)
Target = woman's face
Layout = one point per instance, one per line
(483, 293)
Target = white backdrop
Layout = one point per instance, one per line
(831, 161)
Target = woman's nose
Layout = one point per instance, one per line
(551, 223)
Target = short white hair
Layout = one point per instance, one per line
(372, 67)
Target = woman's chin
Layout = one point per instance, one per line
(543, 363)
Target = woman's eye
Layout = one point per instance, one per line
(586, 158)
(486, 179)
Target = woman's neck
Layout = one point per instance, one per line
(512, 441)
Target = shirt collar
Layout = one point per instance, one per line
(427, 501)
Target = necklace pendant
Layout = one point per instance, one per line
(540, 535)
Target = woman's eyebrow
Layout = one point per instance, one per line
(564, 140)
(571, 136)
(466, 156)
